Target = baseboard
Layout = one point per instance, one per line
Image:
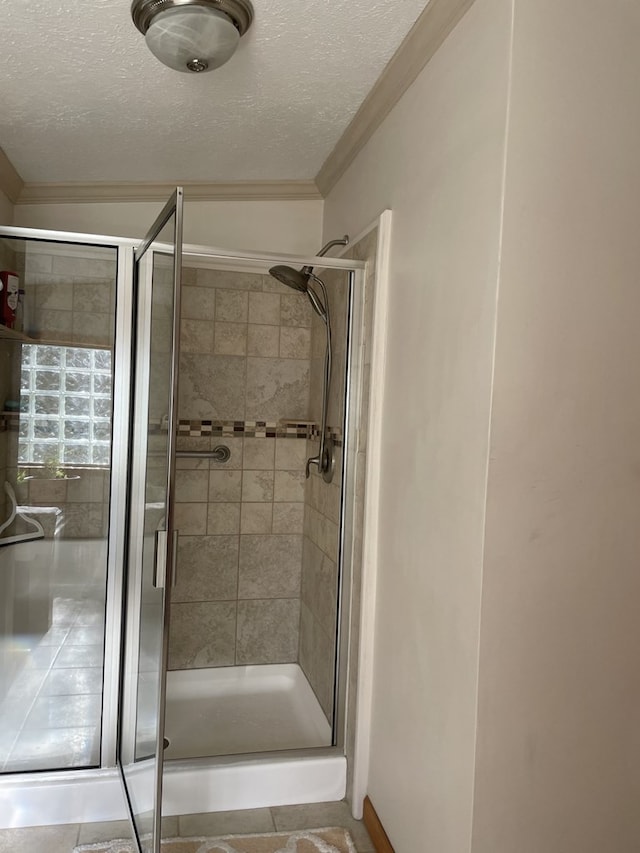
(375, 828)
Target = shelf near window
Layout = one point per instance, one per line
(22, 338)
(12, 335)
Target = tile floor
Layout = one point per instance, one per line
(52, 708)
(62, 839)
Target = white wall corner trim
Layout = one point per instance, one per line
(372, 508)
(423, 40)
(60, 193)
(11, 183)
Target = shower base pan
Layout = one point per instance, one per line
(242, 709)
(215, 717)
(273, 706)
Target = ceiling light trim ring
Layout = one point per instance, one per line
(239, 11)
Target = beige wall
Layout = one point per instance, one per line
(270, 226)
(6, 210)
(558, 763)
(437, 162)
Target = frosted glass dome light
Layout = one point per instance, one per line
(192, 35)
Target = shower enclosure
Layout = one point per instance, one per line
(192, 508)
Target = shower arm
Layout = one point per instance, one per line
(324, 459)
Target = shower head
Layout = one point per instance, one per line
(296, 279)
(299, 280)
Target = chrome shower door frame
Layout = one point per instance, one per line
(119, 468)
(142, 775)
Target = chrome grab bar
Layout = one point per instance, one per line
(220, 453)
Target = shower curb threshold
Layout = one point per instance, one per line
(51, 799)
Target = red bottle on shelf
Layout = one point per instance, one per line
(9, 297)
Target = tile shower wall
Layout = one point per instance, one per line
(319, 590)
(7, 392)
(245, 361)
(69, 299)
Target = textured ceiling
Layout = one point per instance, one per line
(84, 100)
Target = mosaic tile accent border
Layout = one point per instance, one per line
(222, 429)
(247, 429)
(254, 429)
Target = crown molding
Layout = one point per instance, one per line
(425, 37)
(131, 191)
(11, 183)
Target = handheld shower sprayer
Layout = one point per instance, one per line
(300, 280)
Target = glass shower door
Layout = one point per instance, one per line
(151, 535)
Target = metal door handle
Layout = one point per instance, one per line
(160, 560)
(174, 558)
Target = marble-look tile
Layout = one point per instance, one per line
(191, 486)
(289, 486)
(277, 388)
(225, 486)
(322, 531)
(189, 275)
(267, 631)
(198, 303)
(82, 522)
(291, 454)
(35, 264)
(207, 568)
(202, 634)
(212, 386)
(92, 833)
(85, 267)
(70, 681)
(78, 656)
(37, 839)
(223, 518)
(263, 341)
(93, 297)
(323, 814)
(257, 485)
(57, 295)
(319, 585)
(231, 306)
(264, 309)
(230, 339)
(316, 380)
(92, 328)
(317, 658)
(55, 749)
(48, 712)
(187, 463)
(259, 454)
(191, 519)
(229, 280)
(196, 336)
(288, 517)
(295, 310)
(225, 823)
(256, 517)
(270, 566)
(51, 322)
(86, 635)
(295, 342)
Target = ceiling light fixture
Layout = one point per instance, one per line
(192, 35)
